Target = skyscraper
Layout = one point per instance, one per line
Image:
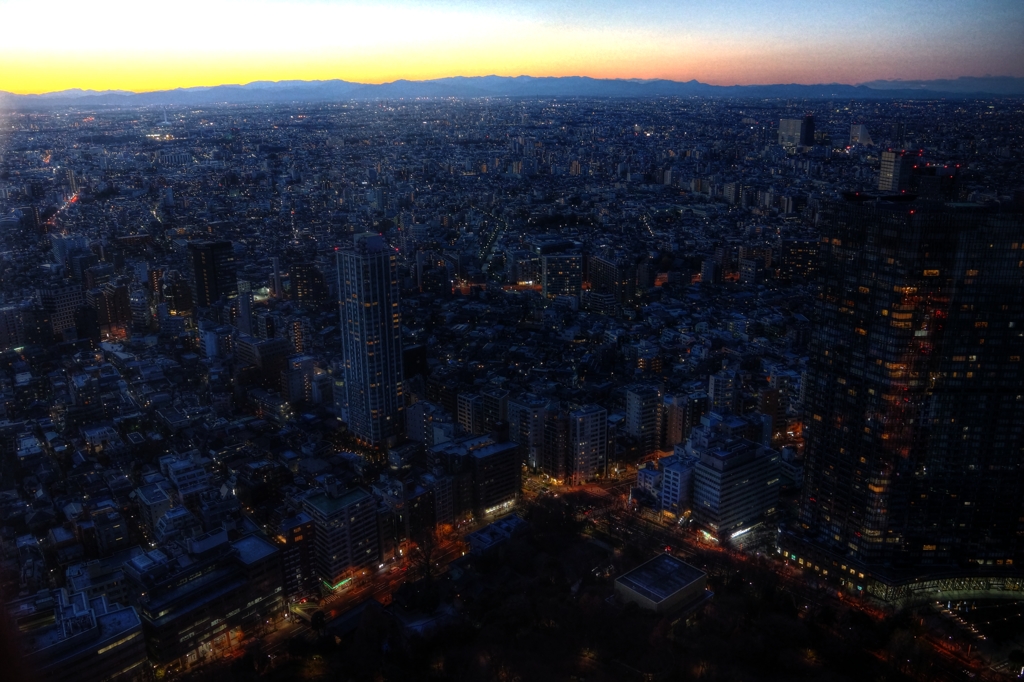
(914, 413)
(213, 272)
(859, 134)
(371, 334)
(796, 132)
(807, 132)
(894, 171)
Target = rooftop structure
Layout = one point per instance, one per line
(663, 584)
(67, 636)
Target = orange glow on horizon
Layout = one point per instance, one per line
(122, 45)
(146, 73)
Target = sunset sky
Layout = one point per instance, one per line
(115, 44)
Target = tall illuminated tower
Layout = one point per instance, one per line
(914, 410)
(372, 400)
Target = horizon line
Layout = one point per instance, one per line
(495, 75)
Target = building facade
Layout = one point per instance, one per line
(213, 272)
(561, 275)
(895, 170)
(373, 401)
(735, 485)
(914, 418)
(346, 532)
(588, 443)
(644, 412)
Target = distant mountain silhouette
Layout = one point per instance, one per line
(996, 85)
(519, 86)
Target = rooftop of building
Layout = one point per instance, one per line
(79, 623)
(152, 494)
(253, 548)
(661, 577)
(493, 449)
(328, 504)
(81, 576)
(495, 533)
(297, 519)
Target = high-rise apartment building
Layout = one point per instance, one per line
(61, 302)
(615, 276)
(680, 413)
(296, 539)
(561, 275)
(308, 285)
(371, 334)
(213, 272)
(588, 443)
(643, 417)
(297, 379)
(556, 444)
(914, 415)
(724, 391)
(471, 413)
(495, 406)
(526, 426)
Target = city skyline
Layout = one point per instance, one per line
(494, 377)
(120, 47)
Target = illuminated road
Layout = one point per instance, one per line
(607, 511)
(383, 584)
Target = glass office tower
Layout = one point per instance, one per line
(914, 393)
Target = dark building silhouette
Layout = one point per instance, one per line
(213, 272)
(796, 132)
(914, 412)
(807, 132)
(296, 538)
(177, 294)
(616, 276)
(308, 284)
(555, 452)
